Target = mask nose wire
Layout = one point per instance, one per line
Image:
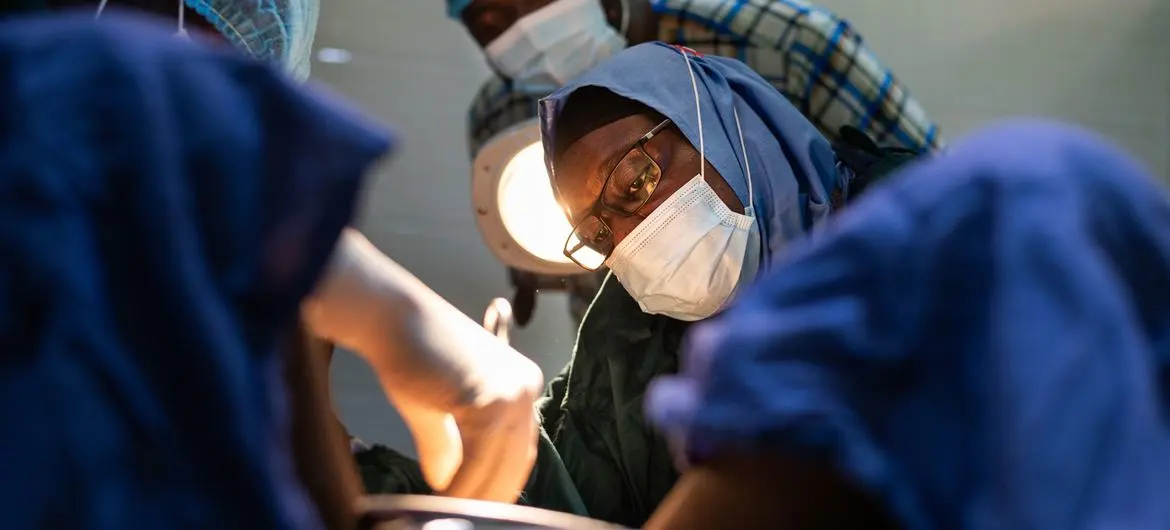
(699, 113)
(101, 7)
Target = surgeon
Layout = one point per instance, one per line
(688, 176)
(171, 211)
(981, 343)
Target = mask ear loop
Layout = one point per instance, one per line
(702, 152)
(625, 24)
(182, 31)
(699, 113)
(747, 167)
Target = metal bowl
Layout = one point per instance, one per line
(421, 512)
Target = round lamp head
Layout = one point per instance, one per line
(516, 210)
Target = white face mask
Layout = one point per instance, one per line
(548, 47)
(686, 259)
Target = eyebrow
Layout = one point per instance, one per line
(609, 164)
(612, 161)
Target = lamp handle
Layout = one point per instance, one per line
(524, 297)
(498, 319)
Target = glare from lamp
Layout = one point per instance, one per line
(586, 256)
(334, 56)
(448, 524)
(530, 212)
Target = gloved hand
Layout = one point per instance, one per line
(467, 397)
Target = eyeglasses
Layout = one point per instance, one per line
(627, 188)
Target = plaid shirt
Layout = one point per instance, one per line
(809, 54)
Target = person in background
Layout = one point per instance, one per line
(813, 57)
(154, 282)
(981, 343)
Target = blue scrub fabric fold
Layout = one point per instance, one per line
(982, 342)
(164, 207)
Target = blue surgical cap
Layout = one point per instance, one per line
(455, 7)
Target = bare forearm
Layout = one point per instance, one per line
(465, 395)
(410, 335)
(369, 304)
(321, 456)
(713, 496)
(760, 492)
(361, 291)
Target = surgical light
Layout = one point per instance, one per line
(528, 208)
(516, 210)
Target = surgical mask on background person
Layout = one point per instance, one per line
(688, 257)
(548, 47)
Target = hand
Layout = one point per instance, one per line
(467, 397)
(479, 443)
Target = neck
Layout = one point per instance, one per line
(641, 22)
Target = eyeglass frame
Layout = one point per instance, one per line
(599, 204)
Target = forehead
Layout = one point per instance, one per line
(582, 167)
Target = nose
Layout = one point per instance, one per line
(620, 225)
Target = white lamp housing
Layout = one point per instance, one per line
(516, 210)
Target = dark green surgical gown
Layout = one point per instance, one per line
(592, 411)
(384, 470)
